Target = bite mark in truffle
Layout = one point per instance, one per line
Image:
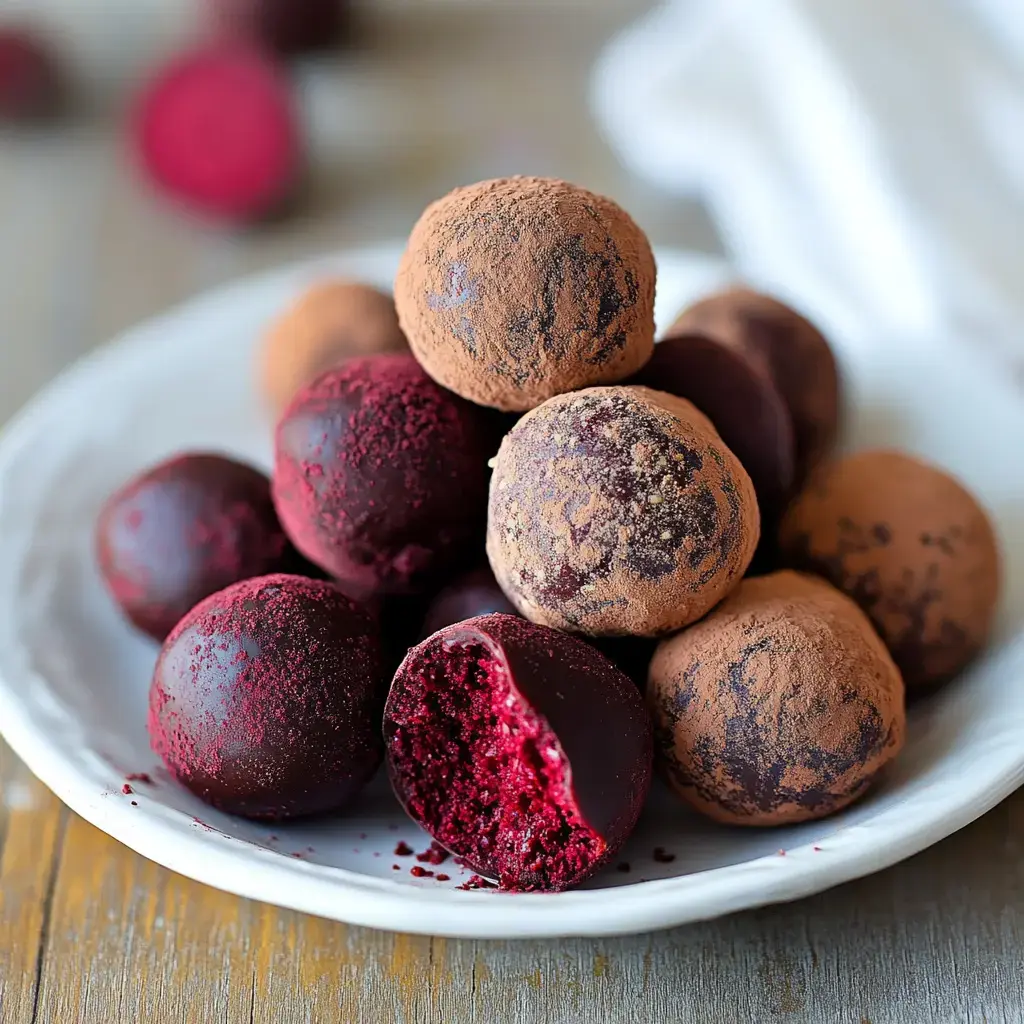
(781, 706)
(618, 511)
(520, 749)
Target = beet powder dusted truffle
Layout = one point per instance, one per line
(514, 290)
(266, 699)
(519, 748)
(781, 706)
(217, 130)
(183, 530)
(618, 511)
(380, 475)
(912, 547)
(331, 322)
(790, 349)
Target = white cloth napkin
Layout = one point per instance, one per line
(873, 148)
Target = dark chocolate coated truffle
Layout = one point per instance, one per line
(912, 547)
(266, 698)
(519, 748)
(183, 530)
(514, 290)
(781, 706)
(284, 26)
(331, 322)
(30, 84)
(791, 349)
(618, 511)
(380, 475)
(472, 594)
(741, 400)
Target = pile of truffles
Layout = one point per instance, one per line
(522, 556)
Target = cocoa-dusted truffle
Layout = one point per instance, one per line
(740, 398)
(519, 748)
(474, 593)
(266, 698)
(380, 475)
(781, 706)
(618, 511)
(514, 290)
(795, 353)
(329, 323)
(183, 530)
(912, 547)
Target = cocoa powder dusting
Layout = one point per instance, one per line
(912, 547)
(782, 705)
(618, 511)
(517, 289)
(330, 322)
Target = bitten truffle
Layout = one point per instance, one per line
(217, 130)
(472, 594)
(514, 290)
(740, 398)
(618, 511)
(781, 706)
(266, 699)
(791, 349)
(331, 322)
(912, 547)
(519, 748)
(285, 26)
(380, 475)
(29, 77)
(183, 530)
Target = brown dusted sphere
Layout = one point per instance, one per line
(791, 349)
(517, 289)
(618, 512)
(781, 706)
(912, 547)
(330, 322)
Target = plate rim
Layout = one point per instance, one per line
(340, 894)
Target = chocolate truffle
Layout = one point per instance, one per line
(266, 698)
(912, 547)
(618, 511)
(183, 530)
(329, 323)
(741, 400)
(284, 26)
(519, 748)
(380, 475)
(514, 290)
(781, 706)
(472, 594)
(29, 78)
(791, 349)
(217, 130)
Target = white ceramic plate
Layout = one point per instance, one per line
(74, 677)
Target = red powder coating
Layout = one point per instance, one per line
(140, 777)
(217, 130)
(403, 850)
(481, 767)
(437, 854)
(417, 872)
(183, 530)
(126, 789)
(380, 475)
(662, 856)
(443, 878)
(29, 83)
(265, 701)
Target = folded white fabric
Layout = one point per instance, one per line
(869, 148)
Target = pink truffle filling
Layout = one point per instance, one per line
(484, 773)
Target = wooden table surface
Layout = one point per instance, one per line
(90, 932)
